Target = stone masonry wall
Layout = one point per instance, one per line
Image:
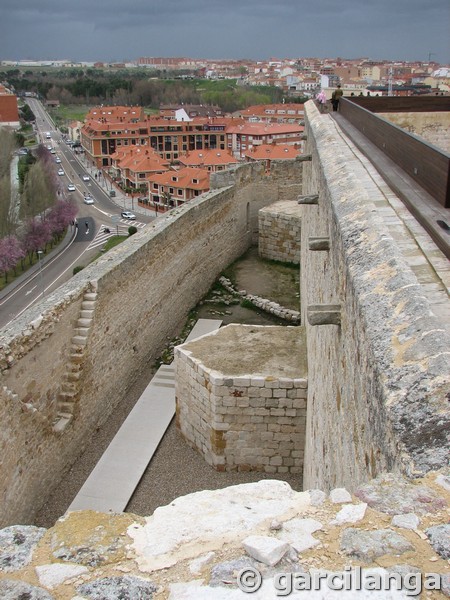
(378, 380)
(244, 420)
(432, 127)
(144, 290)
(279, 232)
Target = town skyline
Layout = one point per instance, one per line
(400, 30)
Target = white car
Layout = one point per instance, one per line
(60, 171)
(88, 200)
(86, 178)
(57, 160)
(126, 214)
(71, 187)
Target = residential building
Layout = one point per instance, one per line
(243, 137)
(133, 166)
(269, 152)
(273, 113)
(190, 110)
(174, 188)
(211, 160)
(9, 112)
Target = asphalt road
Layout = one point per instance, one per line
(82, 243)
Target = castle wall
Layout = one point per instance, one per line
(144, 290)
(279, 232)
(433, 127)
(378, 381)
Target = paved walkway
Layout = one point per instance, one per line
(113, 480)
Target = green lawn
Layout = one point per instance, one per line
(64, 114)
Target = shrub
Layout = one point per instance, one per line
(132, 230)
(77, 269)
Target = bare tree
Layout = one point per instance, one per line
(8, 214)
(37, 194)
(7, 147)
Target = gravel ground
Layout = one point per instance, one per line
(176, 469)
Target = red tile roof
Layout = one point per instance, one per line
(273, 152)
(207, 157)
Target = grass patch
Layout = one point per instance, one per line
(112, 242)
(65, 114)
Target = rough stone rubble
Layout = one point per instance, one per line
(199, 545)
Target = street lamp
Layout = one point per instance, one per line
(39, 252)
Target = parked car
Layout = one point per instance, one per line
(60, 171)
(88, 200)
(86, 178)
(126, 214)
(57, 160)
(71, 187)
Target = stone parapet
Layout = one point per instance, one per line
(380, 371)
(388, 540)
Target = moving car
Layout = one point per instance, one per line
(71, 187)
(86, 178)
(88, 200)
(60, 171)
(126, 214)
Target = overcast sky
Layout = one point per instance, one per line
(120, 30)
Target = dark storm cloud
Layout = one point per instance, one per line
(120, 30)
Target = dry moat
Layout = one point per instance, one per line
(177, 469)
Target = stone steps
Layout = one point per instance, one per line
(67, 399)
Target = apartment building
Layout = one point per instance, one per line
(273, 113)
(9, 112)
(191, 110)
(103, 136)
(242, 138)
(133, 166)
(211, 160)
(269, 152)
(174, 188)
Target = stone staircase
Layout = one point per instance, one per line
(69, 395)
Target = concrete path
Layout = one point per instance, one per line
(115, 477)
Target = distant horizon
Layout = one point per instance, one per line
(224, 59)
(409, 30)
